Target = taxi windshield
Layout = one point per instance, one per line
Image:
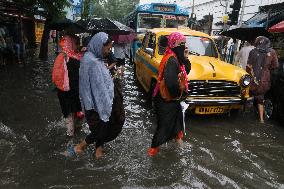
(200, 46)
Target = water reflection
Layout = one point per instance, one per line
(218, 152)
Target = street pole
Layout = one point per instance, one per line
(242, 12)
(192, 11)
(226, 10)
(192, 14)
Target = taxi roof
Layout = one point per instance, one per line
(184, 31)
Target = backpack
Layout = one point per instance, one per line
(60, 72)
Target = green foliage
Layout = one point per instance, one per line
(114, 9)
(53, 9)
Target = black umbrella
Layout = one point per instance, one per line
(245, 33)
(67, 25)
(107, 25)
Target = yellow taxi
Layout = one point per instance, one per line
(215, 86)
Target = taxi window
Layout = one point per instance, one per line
(145, 41)
(150, 46)
(162, 44)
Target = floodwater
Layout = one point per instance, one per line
(218, 152)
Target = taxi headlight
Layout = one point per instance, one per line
(245, 80)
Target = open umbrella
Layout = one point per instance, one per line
(67, 25)
(128, 38)
(277, 28)
(245, 33)
(107, 25)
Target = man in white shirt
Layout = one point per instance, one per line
(242, 56)
(120, 50)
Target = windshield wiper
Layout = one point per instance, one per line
(194, 53)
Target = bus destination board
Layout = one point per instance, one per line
(164, 8)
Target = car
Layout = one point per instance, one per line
(215, 87)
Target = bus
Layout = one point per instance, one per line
(155, 15)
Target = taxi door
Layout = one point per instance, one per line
(140, 59)
(151, 69)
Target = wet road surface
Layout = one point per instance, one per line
(218, 152)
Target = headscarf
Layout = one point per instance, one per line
(96, 86)
(175, 38)
(96, 44)
(261, 53)
(263, 44)
(173, 48)
(68, 45)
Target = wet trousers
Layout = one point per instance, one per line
(102, 132)
(170, 121)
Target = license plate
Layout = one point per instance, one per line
(210, 110)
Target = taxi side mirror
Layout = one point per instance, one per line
(150, 51)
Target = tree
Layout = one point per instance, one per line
(113, 9)
(86, 9)
(54, 10)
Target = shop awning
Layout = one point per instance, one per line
(267, 16)
(277, 28)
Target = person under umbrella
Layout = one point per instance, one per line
(100, 97)
(65, 76)
(242, 56)
(260, 61)
(171, 89)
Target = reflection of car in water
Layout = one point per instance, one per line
(214, 86)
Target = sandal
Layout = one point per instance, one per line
(70, 152)
(153, 151)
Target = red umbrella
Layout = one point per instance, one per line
(277, 27)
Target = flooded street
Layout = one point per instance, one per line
(218, 152)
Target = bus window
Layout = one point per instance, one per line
(149, 21)
(182, 20)
(171, 21)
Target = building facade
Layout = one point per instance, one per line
(210, 13)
